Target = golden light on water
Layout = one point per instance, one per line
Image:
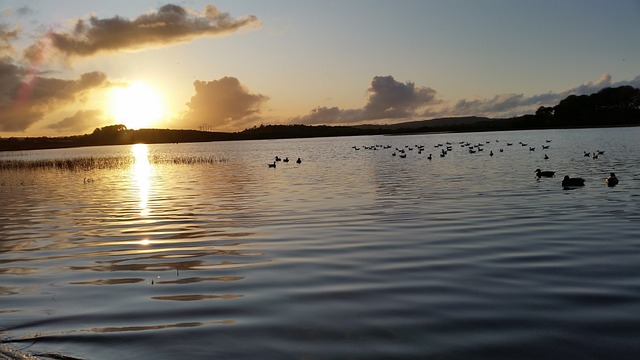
(142, 172)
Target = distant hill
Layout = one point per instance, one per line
(440, 122)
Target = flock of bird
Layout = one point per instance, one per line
(285, 160)
(445, 148)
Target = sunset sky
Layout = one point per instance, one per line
(68, 67)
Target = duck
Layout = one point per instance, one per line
(285, 160)
(299, 161)
(612, 180)
(429, 157)
(540, 173)
(569, 181)
(272, 165)
(546, 157)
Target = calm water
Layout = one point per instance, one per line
(351, 254)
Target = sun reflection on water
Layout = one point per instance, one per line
(142, 172)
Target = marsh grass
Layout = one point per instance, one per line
(99, 163)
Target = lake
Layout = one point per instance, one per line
(202, 251)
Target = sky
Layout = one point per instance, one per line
(69, 67)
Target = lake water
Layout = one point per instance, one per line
(352, 254)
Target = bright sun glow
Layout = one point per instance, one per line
(137, 106)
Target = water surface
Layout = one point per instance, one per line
(350, 254)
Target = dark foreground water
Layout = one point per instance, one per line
(352, 254)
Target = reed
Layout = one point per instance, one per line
(99, 163)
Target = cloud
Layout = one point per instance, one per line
(81, 121)
(393, 101)
(222, 104)
(591, 86)
(6, 37)
(24, 10)
(388, 99)
(635, 82)
(170, 24)
(21, 11)
(515, 104)
(26, 96)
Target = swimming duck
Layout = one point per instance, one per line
(272, 165)
(546, 157)
(541, 173)
(569, 181)
(612, 180)
(299, 161)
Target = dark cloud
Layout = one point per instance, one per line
(222, 104)
(170, 24)
(81, 121)
(329, 115)
(26, 96)
(388, 99)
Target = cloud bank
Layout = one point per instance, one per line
(222, 105)
(392, 101)
(170, 24)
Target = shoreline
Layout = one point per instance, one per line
(168, 136)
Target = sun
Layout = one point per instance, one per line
(137, 105)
